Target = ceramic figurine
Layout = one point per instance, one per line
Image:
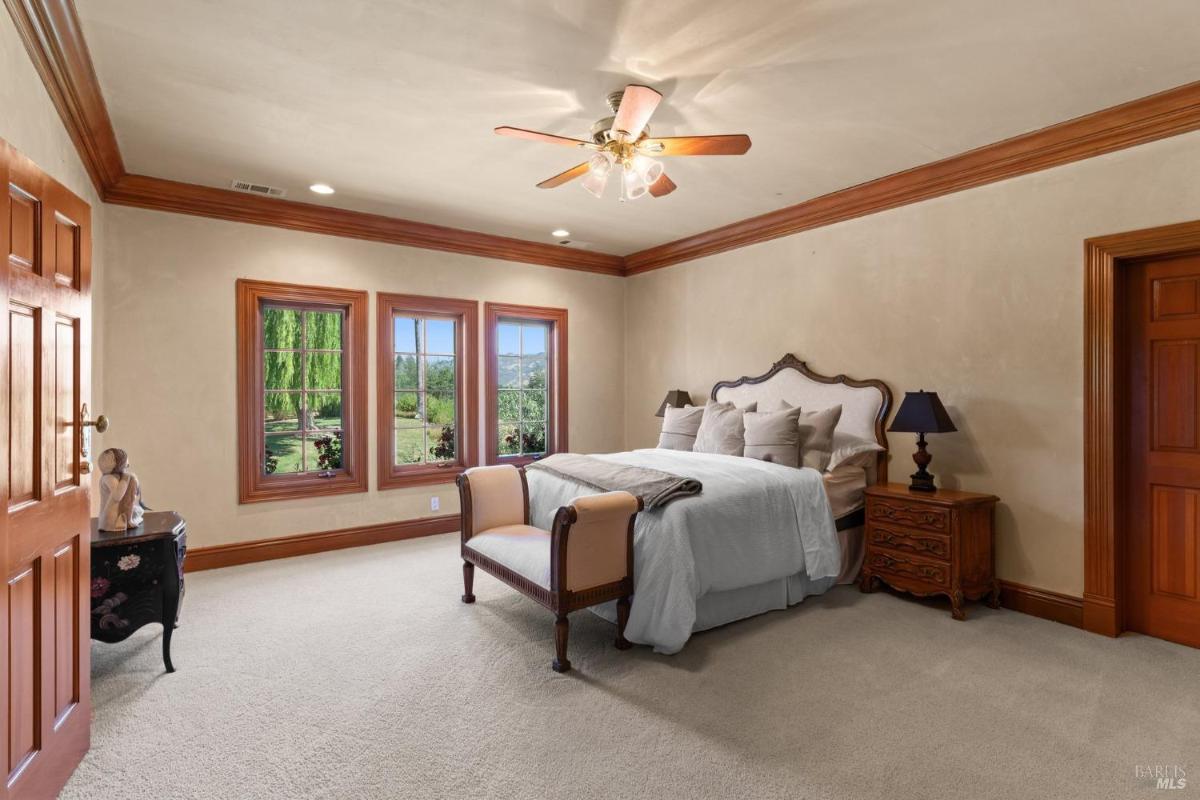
(120, 493)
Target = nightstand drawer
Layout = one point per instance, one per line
(892, 563)
(922, 543)
(910, 515)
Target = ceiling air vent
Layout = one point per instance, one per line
(258, 188)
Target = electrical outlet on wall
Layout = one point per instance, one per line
(435, 503)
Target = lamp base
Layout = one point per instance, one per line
(922, 481)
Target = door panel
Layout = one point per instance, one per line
(45, 698)
(66, 629)
(23, 667)
(23, 393)
(66, 403)
(1162, 556)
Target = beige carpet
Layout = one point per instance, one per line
(359, 674)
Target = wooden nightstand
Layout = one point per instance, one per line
(930, 543)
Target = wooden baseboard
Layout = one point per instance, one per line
(1042, 603)
(227, 555)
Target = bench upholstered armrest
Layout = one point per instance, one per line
(592, 542)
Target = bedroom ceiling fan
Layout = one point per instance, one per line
(623, 142)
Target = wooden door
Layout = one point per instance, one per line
(1162, 563)
(44, 347)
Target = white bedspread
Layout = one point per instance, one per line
(754, 522)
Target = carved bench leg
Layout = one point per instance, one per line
(622, 619)
(468, 582)
(561, 629)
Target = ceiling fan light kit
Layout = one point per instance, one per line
(624, 139)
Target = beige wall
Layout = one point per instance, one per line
(30, 123)
(978, 295)
(169, 359)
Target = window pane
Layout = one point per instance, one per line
(323, 451)
(508, 373)
(439, 408)
(282, 456)
(439, 335)
(533, 437)
(406, 372)
(508, 439)
(439, 373)
(281, 328)
(533, 339)
(509, 339)
(324, 370)
(441, 443)
(533, 372)
(410, 442)
(509, 404)
(282, 411)
(324, 410)
(533, 405)
(406, 406)
(407, 332)
(281, 370)
(324, 329)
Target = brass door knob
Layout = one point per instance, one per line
(100, 423)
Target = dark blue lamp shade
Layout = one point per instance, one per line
(921, 413)
(676, 398)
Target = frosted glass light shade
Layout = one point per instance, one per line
(633, 183)
(649, 169)
(595, 182)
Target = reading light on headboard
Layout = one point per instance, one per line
(676, 398)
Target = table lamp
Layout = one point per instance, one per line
(921, 413)
(676, 398)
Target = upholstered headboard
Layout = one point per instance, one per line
(865, 404)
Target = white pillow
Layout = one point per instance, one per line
(679, 427)
(850, 449)
(722, 430)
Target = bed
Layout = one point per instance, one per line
(761, 536)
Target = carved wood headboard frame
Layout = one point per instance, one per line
(790, 361)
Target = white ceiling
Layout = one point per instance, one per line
(393, 101)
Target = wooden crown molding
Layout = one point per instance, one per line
(54, 39)
(188, 198)
(1145, 120)
(52, 35)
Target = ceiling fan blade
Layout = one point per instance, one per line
(637, 104)
(538, 136)
(733, 144)
(562, 177)
(662, 186)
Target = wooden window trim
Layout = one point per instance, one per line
(466, 388)
(556, 378)
(253, 486)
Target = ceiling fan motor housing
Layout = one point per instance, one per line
(602, 129)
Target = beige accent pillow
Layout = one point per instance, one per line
(722, 430)
(849, 449)
(816, 436)
(773, 436)
(679, 427)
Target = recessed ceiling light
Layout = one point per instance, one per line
(321, 188)
(561, 232)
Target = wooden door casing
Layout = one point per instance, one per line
(1162, 575)
(45, 351)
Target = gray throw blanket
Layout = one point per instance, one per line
(656, 488)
